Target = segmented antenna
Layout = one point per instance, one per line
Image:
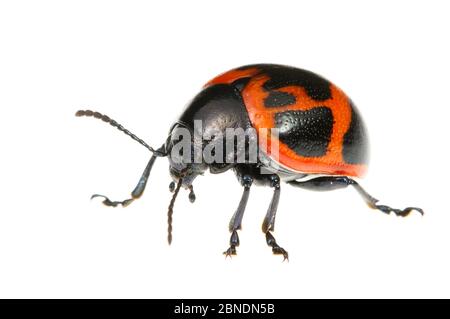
(113, 123)
(170, 211)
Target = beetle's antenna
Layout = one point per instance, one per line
(170, 212)
(113, 123)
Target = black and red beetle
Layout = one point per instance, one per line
(321, 142)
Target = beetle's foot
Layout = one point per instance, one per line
(399, 212)
(108, 202)
(234, 242)
(276, 249)
(231, 251)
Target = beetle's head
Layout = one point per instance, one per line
(182, 149)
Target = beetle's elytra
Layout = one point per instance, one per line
(289, 125)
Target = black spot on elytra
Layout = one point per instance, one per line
(241, 83)
(307, 133)
(277, 98)
(355, 144)
(317, 87)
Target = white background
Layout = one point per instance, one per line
(140, 62)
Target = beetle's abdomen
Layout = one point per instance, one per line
(320, 130)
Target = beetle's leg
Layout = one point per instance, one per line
(236, 220)
(372, 202)
(326, 183)
(138, 190)
(269, 221)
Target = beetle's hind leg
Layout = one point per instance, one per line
(236, 220)
(136, 193)
(326, 183)
(269, 220)
(372, 202)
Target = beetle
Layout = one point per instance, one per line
(308, 134)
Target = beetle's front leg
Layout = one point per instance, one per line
(136, 193)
